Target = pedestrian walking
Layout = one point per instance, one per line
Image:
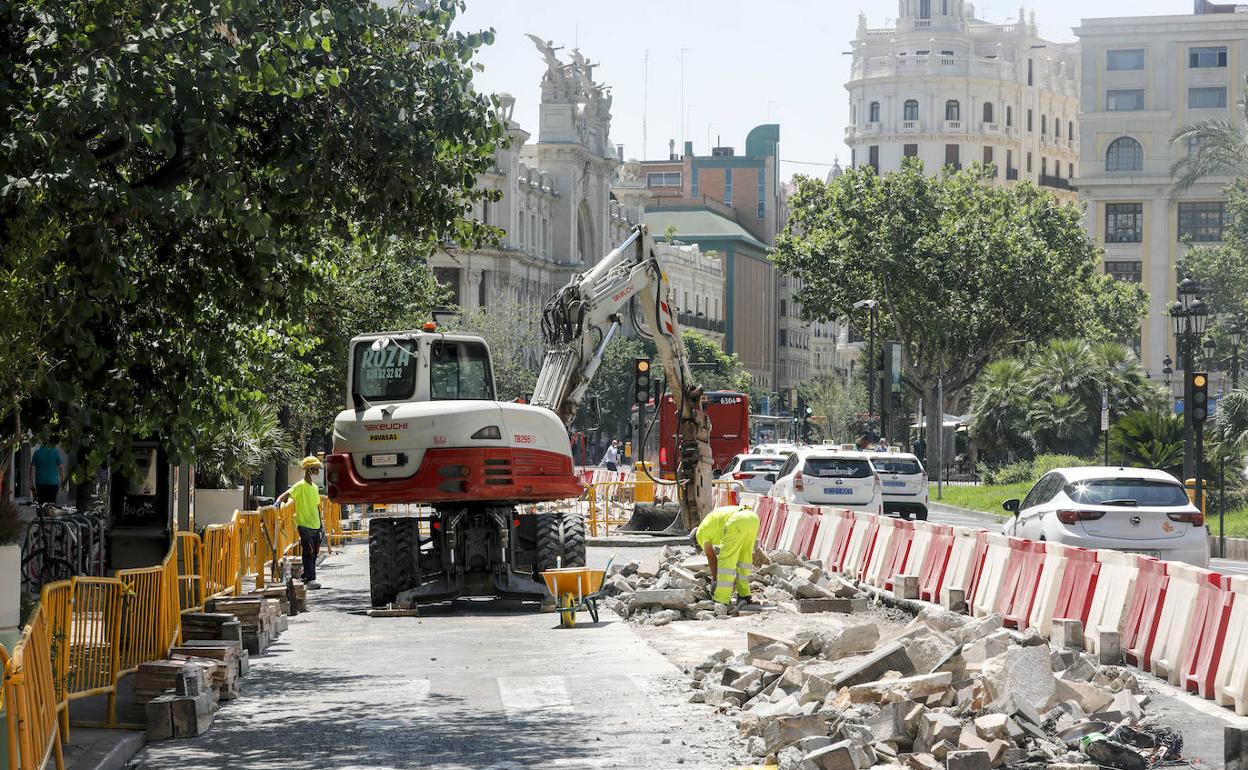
(733, 529)
(47, 470)
(611, 459)
(307, 499)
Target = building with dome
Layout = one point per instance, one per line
(950, 89)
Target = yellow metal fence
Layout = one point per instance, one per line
(88, 632)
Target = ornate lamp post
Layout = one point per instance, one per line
(1190, 316)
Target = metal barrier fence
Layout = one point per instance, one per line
(30, 698)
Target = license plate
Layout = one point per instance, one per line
(384, 460)
(837, 491)
(894, 483)
(1154, 554)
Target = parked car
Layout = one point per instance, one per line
(781, 449)
(904, 484)
(1137, 510)
(830, 477)
(755, 472)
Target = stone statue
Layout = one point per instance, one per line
(547, 49)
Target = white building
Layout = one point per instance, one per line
(1144, 78)
(951, 89)
(697, 283)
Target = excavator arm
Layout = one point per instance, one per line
(593, 301)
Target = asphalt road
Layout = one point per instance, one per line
(482, 685)
(963, 518)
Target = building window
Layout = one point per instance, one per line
(783, 308)
(1031, 72)
(1044, 166)
(1057, 128)
(1124, 222)
(694, 189)
(728, 186)
(1206, 98)
(663, 179)
(1206, 56)
(1028, 163)
(1009, 163)
(1044, 124)
(1070, 129)
(1124, 154)
(1070, 170)
(988, 159)
(910, 110)
(925, 9)
(783, 335)
(987, 112)
(1030, 125)
(762, 194)
(1009, 115)
(1124, 100)
(953, 155)
(953, 110)
(873, 157)
(910, 151)
(1127, 59)
(874, 113)
(1203, 222)
(944, 7)
(1129, 270)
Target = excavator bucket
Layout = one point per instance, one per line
(654, 519)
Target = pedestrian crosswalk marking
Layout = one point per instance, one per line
(526, 695)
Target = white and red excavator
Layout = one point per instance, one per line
(422, 425)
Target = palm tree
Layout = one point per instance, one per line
(1213, 147)
(240, 446)
(1059, 424)
(1153, 439)
(999, 410)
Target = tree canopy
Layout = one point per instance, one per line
(187, 182)
(962, 269)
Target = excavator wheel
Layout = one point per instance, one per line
(560, 540)
(573, 540)
(393, 548)
(652, 519)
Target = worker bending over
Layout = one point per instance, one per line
(733, 528)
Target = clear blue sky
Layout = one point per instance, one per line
(745, 63)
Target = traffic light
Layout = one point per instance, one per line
(641, 380)
(1200, 396)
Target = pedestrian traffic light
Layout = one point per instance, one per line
(641, 380)
(1200, 396)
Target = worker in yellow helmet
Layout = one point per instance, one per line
(307, 499)
(733, 529)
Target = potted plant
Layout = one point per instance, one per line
(237, 449)
(10, 566)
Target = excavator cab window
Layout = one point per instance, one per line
(460, 371)
(385, 371)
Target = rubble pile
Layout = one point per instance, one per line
(945, 691)
(681, 587)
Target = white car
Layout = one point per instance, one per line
(755, 472)
(1137, 510)
(904, 483)
(815, 476)
(780, 449)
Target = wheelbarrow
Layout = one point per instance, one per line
(575, 589)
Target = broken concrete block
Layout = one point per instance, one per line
(1081, 669)
(905, 688)
(1235, 747)
(935, 728)
(715, 694)
(159, 718)
(667, 598)
(1108, 646)
(1067, 634)
(764, 646)
(1024, 672)
(923, 761)
(990, 726)
(845, 755)
(849, 640)
(1122, 706)
(779, 732)
(977, 629)
(927, 648)
(813, 743)
(968, 760)
(890, 657)
(835, 604)
(906, 586)
(192, 715)
(889, 724)
(1090, 698)
(1019, 709)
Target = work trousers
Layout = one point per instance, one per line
(736, 556)
(310, 545)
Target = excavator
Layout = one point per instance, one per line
(422, 425)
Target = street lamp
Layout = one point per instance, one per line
(1167, 368)
(1190, 316)
(870, 305)
(1211, 349)
(1237, 330)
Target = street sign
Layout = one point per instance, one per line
(1104, 419)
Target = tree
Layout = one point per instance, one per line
(514, 335)
(1211, 147)
(837, 407)
(712, 367)
(193, 170)
(999, 412)
(612, 383)
(961, 268)
(240, 447)
(1149, 438)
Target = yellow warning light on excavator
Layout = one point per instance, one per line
(429, 326)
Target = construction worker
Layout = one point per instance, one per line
(733, 528)
(307, 499)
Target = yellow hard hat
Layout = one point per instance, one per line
(310, 462)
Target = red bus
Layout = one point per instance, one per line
(730, 430)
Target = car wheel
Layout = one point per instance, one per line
(921, 515)
(903, 515)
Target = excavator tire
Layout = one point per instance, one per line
(549, 541)
(652, 519)
(573, 540)
(393, 547)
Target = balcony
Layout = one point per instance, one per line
(700, 321)
(953, 126)
(990, 128)
(1057, 182)
(911, 126)
(1011, 174)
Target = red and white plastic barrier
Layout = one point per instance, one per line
(1020, 581)
(1080, 572)
(1111, 600)
(1175, 621)
(964, 557)
(873, 573)
(989, 581)
(1231, 682)
(937, 560)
